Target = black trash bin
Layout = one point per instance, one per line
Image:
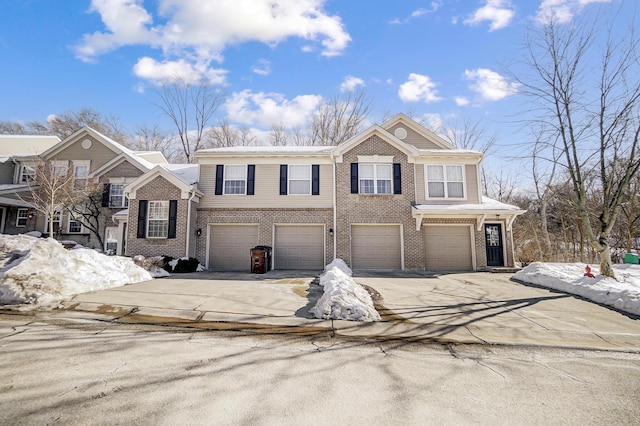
(260, 259)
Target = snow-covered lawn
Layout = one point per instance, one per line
(622, 294)
(343, 298)
(41, 272)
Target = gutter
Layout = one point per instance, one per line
(335, 215)
(188, 239)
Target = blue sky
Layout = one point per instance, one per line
(440, 61)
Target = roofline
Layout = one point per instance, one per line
(411, 151)
(185, 188)
(417, 127)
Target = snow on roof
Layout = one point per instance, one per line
(487, 204)
(144, 162)
(155, 157)
(188, 173)
(269, 149)
(21, 145)
(448, 151)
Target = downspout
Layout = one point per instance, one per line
(193, 194)
(335, 214)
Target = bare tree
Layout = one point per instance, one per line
(152, 138)
(278, 135)
(88, 209)
(50, 191)
(67, 123)
(469, 134)
(339, 118)
(223, 135)
(190, 105)
(591, 114)
(247, 136)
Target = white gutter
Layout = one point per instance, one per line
(193, 194)
(335, 213)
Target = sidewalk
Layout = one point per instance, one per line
(473, 308)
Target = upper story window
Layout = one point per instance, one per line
(300, 179)
(375, 178)
(235, 179)
(60, 168)
(75, 226)
(445, 181)
(116, 195)
(80, 174)
(27, 173)
(21, 218)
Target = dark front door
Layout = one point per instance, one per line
(493, 242)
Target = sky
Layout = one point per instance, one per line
(440, 61)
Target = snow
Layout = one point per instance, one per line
(343, 298)
(622, 294)
(41, 272)
(488, 204)
(188, 173)
(269, 149)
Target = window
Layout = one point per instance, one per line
(28, 173)
(235, 180)
(445, 181)
(80, 174)
(116, 195)
(375, 178)
(300, 179)
(59, 168)
(158, 219)
(56, 223)
(75, 227)
(21, 218)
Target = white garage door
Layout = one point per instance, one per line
(299, 247)
(376, 247)
(230, 245)
(448, 248)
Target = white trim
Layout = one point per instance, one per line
(411, 151)
(26, 218)
(375, 179)
(185, 189)
(388, 159)
(418, 128)
(503, 240)
(224, 178)
(148, 221)
(309, 166)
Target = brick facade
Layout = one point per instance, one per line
(156, 190)
(396, 209)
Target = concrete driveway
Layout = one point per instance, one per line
(459, 308)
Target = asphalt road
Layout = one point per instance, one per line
(66, 369)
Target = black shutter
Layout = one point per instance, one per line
(142, 218)
(251, 179)
(283, 179)
(219, 178)
(173, 215)
(354, 178)
(106, 191)
(315, 179)
(397, 179)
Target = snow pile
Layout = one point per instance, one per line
(343, 298)
(623, 294)
(41, 272)
(155, 265)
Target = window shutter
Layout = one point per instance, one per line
(315, 179)
(354, 178)
(219, 178)
(142, 218)
(106, 190)
(397, 179)
(173, 215)
(251, 178)
(283, 179)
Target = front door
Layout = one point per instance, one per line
(493, 238)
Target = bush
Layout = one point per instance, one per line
(184, 264)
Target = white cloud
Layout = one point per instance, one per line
(562, 11)
(263, 67)
(498, 12)
(461, 101)
(159, 72)
(198, 31)
(435, 5)
(268, 109)
(351, 83)
(433, 122)
(418, 88)
(489, 84)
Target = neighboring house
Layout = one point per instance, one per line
(396, 196)
(17, 153)
(92, 159)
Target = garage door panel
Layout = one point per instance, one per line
(230, 245)
(299, 247)
(376, 247)
(448, 248)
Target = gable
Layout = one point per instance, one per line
(80, 149)
(373, 136)
(414, 133)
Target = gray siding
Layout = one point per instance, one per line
(414, 138)
(98, 153)
(471, 176)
